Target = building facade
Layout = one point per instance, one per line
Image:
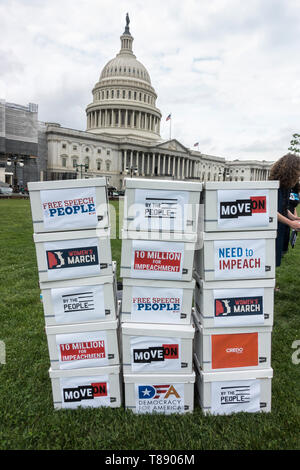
(23, 144)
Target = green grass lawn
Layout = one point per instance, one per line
(27, 417)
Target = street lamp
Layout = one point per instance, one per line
(82, 166)
(132, 170)
(15, 161)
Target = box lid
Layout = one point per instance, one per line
(147, 378)
(71, 235)
(159, 236)
(66, 184)
(246, 235)
(232, 375)
(158, 329)
(85, 281)
(84, 372)
(215, 185)
(169, 185)
(81, 327)
(234, 284)
(228, 330)
(159, 283)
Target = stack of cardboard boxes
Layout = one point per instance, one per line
(158, 242)
(234, 296)
(77, 281)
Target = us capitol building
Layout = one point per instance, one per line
(122, 135)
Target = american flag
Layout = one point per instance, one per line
(169, 117)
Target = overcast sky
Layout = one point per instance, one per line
(227, 70)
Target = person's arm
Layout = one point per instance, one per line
(293, 224)
(293, 216)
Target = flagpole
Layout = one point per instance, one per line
(170, 126)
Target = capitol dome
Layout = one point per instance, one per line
(124, 101)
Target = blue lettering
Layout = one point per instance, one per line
(82, 209)
(76, 209)
(230, 252)
(91, 207)
(52, 212)
(69, 210)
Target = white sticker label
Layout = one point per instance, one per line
(156, 305)
(243, 208)
(85, 391)
(69, 259)
(78, 350)
(165, 399)
(238, 307)
(151, 354)
(78, 304)
(160, 210)
(235, 259)
(73, 208)
(235, 396)
(157, 260)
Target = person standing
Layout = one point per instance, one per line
(287, 171)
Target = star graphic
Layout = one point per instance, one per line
(146, 392)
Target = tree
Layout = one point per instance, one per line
(295, 144)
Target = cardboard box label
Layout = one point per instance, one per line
(243, 208)
(238, 307)
(160, 210)
(235, 396)
(156, 305)
(157, 260)
(72, 258)
(78, 304)
(73, 208)
(152, 353)
(88, 349)
(236, 259)
(85, 391)
(234, 350)
(165, 399)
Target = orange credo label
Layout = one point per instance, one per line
(234, 350)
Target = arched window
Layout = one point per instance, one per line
(107, 165)
(87, 162)
(74, 162)
(99, 164)
(64, 162)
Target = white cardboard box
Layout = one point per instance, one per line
(223, 349)
(83, 345)
(234, 303)
(236, 255)
(156, 259)
(225, 393)
(72, 255)
(91, 387)
(162, 393)
(161, 205)
(90, 299)
(157, 349)
(149, 301)
(240, 205)
(69, 205)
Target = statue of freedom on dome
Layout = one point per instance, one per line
(127, 24)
